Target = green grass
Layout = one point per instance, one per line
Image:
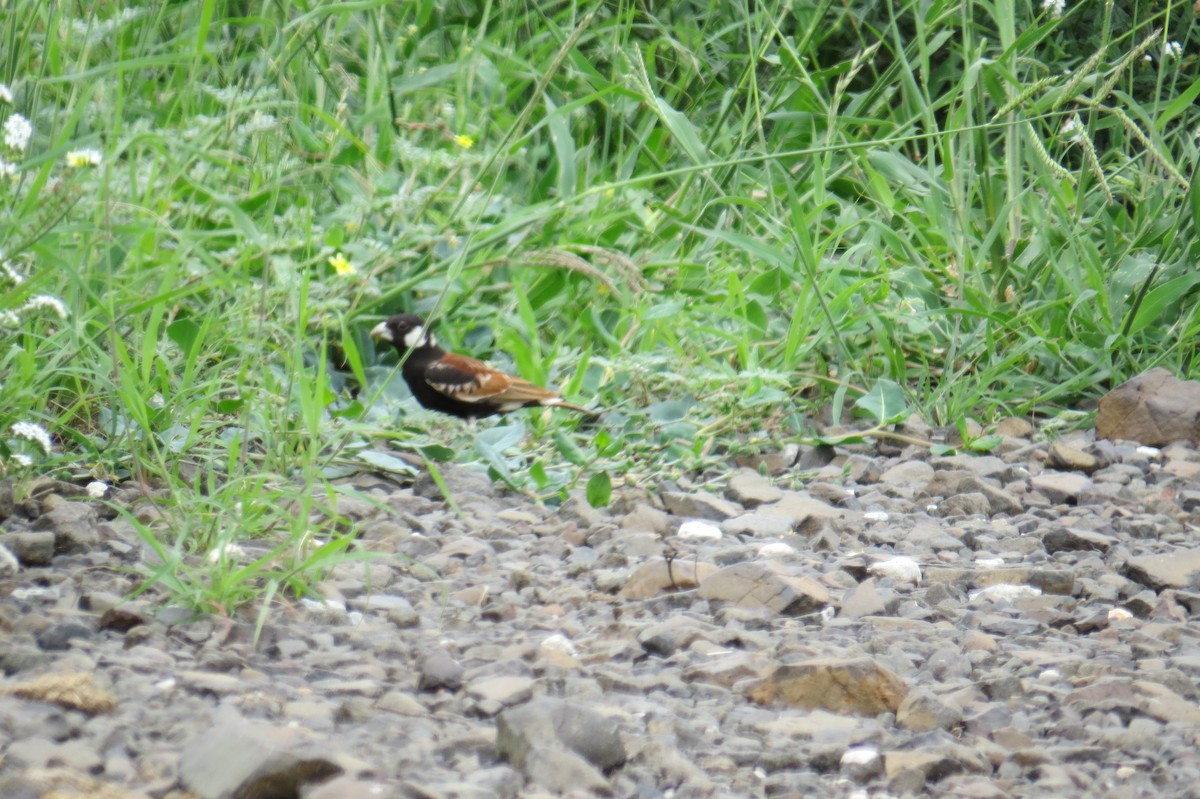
(709, 229)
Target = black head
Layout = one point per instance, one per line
(403, 332)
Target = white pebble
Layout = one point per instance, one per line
(1050, 675)
(900, 568)
(1005, 592)
(558, 643)
(876, 516)
(859, 756)
(1119, 614)
(693, 530)
(1153, 453)
(990, 563)
(776, 550)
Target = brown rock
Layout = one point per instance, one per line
(657, 576)
(1154, 408)
(840, 685)
(700, 506)
(74, 691)
(1070, 459)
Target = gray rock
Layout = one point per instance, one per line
(1179, 569)
(74, 525)
(32, 549)
(9, 565)
(758, 525)
(560, 745)
(493, 694)
(238, 757)
(59, 635)
(1068, 539)
(1060, 487)
(750, 489)
(864, 599)
(921, 711)
(439, 670)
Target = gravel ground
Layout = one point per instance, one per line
(1021, 624)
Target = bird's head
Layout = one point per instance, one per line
(404, 332)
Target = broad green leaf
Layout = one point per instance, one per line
(569, 449)
(669, 410)
(885, 402)
(185, 333)
(599, 490)
(387, 463)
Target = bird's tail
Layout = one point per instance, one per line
(559, 403)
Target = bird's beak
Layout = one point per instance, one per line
(381, 332)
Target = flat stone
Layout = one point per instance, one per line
(759, 524)
(700, 505)
(1060, 487)
(500, 692)
(750, 489)
(730, 669)
(1179, 569)
(755, 585)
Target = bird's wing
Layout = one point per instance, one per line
(466, 379)
(469, 380)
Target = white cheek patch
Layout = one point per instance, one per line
(414, 337)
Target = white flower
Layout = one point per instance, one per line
(21, 459)
(97, 489)
(17, 132)
(258, 122)
(32, 432)
(1072, 128)
(225, 550)
(1055, 7)
(7, 169)
(7, 270)
(6, 94)
(39, 301)
(1172, 50)
(77, 159)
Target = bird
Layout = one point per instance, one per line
(458, 385)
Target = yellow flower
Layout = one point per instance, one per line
(341, 264)
(78, 159)
(464, 141)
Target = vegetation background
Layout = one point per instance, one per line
(708, 217)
